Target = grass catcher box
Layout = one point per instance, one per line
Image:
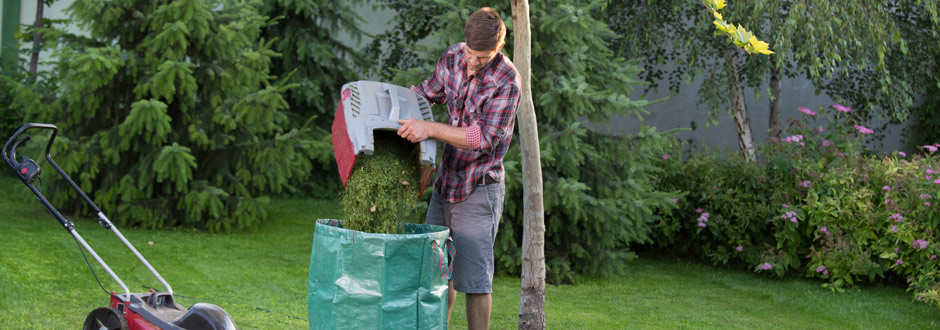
(360, 280)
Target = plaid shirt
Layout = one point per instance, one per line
(486, 105)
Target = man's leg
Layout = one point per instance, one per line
(479, 307)
(474, 223)
(451, 299)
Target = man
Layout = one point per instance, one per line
(480, 87)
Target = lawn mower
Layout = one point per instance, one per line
(133, 311)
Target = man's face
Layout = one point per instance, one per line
(476, 60)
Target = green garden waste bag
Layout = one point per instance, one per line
(360, 280)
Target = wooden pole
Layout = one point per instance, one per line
(532, 296)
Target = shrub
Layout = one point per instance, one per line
(816, 205)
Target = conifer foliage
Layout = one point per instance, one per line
(168, 113)
(306, 33)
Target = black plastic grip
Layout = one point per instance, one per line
(10, 158)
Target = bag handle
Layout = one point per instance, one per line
(446, 267)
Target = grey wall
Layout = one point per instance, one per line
(681, 109)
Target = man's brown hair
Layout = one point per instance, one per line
(484, 30)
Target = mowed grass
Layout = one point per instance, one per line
(259, 276)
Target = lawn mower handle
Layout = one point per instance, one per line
(30, 170)
(6, 146)
(13, 163)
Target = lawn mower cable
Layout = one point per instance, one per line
(92, 269)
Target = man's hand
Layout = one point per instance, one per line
(414, 130)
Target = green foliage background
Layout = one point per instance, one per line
(169, 114)
(306, 34)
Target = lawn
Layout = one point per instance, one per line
(259, 277)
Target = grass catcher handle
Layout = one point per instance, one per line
(395, 114)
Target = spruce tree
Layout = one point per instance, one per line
(307, 34)
(169, 115)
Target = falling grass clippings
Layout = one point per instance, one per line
(383, 187)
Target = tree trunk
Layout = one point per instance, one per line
(739, 108)
(775, 127)
(34, 60)
(532, 296)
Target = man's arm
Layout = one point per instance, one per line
(416, 130)
(432, 89)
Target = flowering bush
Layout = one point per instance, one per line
(816, 204)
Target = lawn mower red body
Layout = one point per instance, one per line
(133, 311)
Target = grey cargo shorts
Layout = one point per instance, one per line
(473, 224)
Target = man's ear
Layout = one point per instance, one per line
(500, 47)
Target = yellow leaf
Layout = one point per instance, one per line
(759, 46)
(719, 4)
(718, 15)
(724, 27)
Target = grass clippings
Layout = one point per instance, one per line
(383, 188)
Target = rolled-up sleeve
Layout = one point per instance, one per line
(496, 120)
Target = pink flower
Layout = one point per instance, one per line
(702, 224)
(841, 108)
(774, 139)
(805, 184)
(705, 216)
(766, 266)
(824, 230)
(785, 205)
(933, 256)
(920, 244)
(698, 210)
(863, 129)
(806, 111)
(896, 217)
(665, 157)
(820, 269)
(930, 148)
(902, 154)
(793, 138)
(820, 129)
(937, 181)
(899, 262)
(675, 201)
(886, 188)
(739, 248)
(925, 196)
(927, 203)
(827, 143)
(894, 229)
(791, 215)
(826, 272)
